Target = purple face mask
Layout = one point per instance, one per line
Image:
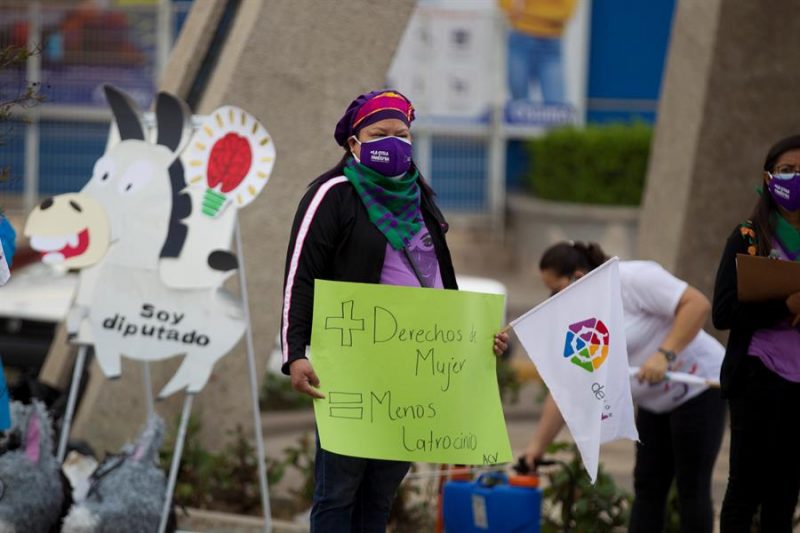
(389, 156)
(785, 190)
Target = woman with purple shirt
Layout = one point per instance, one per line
(369, 219)
(761, 370)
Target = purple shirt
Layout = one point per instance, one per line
(397, 271)
(779, 347)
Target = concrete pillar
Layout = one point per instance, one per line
(729, 92)
(295, 65)
(191, 46)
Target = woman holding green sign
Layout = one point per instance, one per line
(370, 219)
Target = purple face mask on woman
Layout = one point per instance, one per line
(785, 190)
(389, 156)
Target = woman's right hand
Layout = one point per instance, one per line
(533, 452)
(550, 423)
(304, 379)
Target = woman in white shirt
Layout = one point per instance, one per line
(680, 425)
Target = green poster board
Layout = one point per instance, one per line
(408, 373)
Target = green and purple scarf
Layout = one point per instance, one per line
(392, 203)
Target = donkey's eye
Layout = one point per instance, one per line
(103, 169)
(136, 176)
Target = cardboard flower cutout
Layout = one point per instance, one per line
(234, 156)
(154, 254)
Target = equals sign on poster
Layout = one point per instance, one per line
(346, 405)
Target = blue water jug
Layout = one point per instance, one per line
(493, 503)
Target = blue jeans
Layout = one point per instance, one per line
(352, 494)
(536, 59)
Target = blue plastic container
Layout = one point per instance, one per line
(491, 504)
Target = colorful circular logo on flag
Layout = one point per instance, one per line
(587, 344)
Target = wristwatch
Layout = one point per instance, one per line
(669, 354)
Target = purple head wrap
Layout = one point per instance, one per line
(369, 108)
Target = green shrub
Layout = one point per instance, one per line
(602, 507)
(227, 480)
(596, 164)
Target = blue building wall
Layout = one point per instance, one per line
(627, 56)
(458, 173)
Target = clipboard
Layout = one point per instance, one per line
(762, 278)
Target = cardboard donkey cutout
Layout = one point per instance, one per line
(155, 248)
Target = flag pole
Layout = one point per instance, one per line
(177, 453)
(251, 366)
(72, 400)
(682, 377)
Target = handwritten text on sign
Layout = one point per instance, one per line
(408, 374)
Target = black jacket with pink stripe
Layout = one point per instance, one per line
(333, 239)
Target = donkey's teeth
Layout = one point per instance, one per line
(53, 258)
(54, 243)
(46, 244)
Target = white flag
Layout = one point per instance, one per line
(576, 339)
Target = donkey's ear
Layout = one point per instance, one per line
(129, 123)
(33, 438)
(173, 118)
(36, 437)
(149, 442)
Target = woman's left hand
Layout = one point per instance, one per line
(500, 343)
(654, 369)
